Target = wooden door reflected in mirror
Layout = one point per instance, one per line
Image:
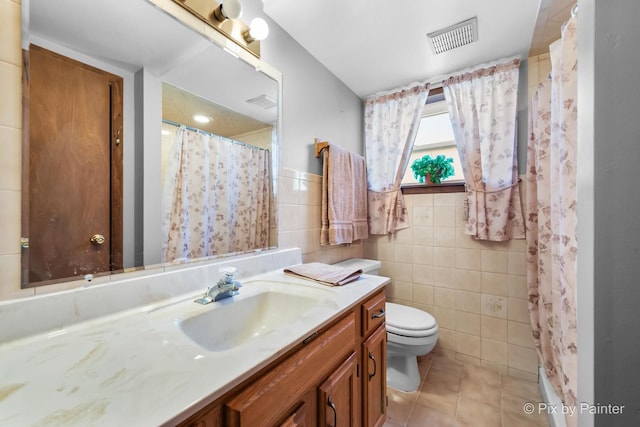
(73, 154)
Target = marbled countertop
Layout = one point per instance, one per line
(137, 368)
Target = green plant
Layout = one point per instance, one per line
(437, 168)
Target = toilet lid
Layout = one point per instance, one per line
(404, 318)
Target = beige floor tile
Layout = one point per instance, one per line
(455, 393)
(441, 399)
(520, 388)
(509, 419)
(399, 407)
(422, 416)
(451, 366)
(479, 414)
(441, 380)
(514, 407)
(480, 391)
(478, 373)
(404, 395)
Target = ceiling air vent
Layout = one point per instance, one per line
(262, 101)
(457, 35)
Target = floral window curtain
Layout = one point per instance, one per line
(216, 197)
(551, 218)
(391, 124)
(483, 108)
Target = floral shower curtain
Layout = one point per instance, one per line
(391, 124)
(216, 197)
(483, 107)
(551, 218)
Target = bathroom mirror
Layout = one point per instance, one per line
(169, 72)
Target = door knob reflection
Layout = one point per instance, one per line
(97, 239)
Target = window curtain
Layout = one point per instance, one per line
(216, 197)
(551, 218)
(483, 108)
(391, 124)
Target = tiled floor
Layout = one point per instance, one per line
(453, 393)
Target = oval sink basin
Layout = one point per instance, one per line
(235, 321)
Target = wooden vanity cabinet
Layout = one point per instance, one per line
(374, 361)
(338, 396)
(336, 374)
(374, 378)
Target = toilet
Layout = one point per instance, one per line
(410, 333)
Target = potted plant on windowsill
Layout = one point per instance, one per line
(432, 169)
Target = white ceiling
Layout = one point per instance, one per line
(378, 45)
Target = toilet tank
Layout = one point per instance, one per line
(368, 266)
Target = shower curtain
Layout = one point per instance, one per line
(216, 197)
(551, 218)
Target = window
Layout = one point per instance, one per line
(434, 137)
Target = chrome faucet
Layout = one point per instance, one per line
(225, 288)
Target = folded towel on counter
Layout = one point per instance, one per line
(326, 274)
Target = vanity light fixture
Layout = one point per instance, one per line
(225, 18)
(228, 9)
(258, 30)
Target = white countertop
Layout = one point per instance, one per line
(137, 368)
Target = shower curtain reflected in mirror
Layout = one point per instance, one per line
(216, 197)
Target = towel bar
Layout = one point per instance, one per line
(320, 145)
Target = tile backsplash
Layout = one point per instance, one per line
(11, 147)
(299, 219)
(476, 290)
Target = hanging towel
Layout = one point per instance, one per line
(326, 274)
(344, 197)
(337, 197)
(360, 221)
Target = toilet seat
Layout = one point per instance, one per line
(409, 322)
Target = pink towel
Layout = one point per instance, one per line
(344, 197)
(337, 197)
(360, 222)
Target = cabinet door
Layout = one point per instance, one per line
(373, 313)
(297, 419)
(338, 403)
(374, 378)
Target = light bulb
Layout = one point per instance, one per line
(232, 9)
(258, 29)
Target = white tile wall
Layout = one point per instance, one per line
(299, 219)
(11, 147)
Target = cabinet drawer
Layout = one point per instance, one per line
(373, 313)
(270, 397)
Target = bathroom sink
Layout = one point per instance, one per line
(233, 322)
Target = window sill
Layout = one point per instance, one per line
(445, 187)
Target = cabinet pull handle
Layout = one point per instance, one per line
(335, 412)
(378, 315)
(375, 366)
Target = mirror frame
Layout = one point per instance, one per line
(150, 236)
